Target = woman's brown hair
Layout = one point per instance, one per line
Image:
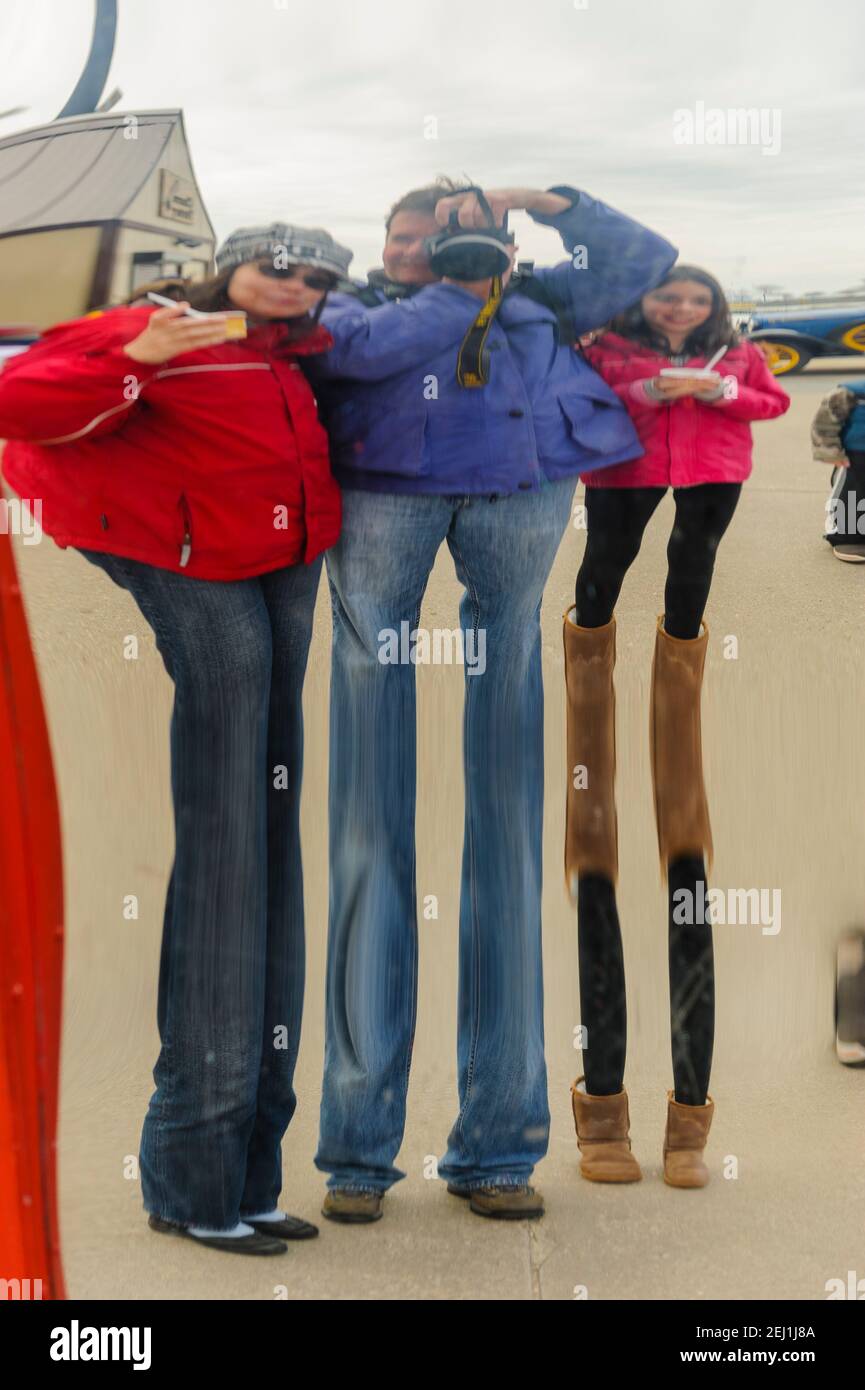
(717, 331)
(171, 288)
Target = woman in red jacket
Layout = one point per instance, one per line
(188, 462)
(696, 433)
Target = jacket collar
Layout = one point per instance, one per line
(269, 336)
(391, 289)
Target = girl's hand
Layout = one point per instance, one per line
(698, 386)
(169, 333)
(709, 388)
(671, 388)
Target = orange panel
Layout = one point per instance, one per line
(31, 962)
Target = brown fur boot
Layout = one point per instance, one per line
(591, 837)
(684, 1140)
(681, 810)
(602, 1124)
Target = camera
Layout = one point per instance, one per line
(470, 253)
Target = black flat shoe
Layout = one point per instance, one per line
(289, 1228)
(254, 1244)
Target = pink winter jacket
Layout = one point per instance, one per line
(688, 441)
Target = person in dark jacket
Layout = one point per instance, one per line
(422, 460)
(184, 457)
(838, 437)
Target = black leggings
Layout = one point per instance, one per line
(617, 518)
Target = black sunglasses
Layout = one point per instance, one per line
(313, 279)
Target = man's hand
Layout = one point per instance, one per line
(169, 332)
(501, 200)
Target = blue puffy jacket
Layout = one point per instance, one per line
(397, 417)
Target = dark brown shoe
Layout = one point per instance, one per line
(255, 1244)
(352, 1207)
(502, 1203)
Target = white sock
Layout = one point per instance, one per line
(275, 1215)
(241, 1229)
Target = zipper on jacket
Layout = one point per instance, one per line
(186, 547)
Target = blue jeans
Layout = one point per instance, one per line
(503, 551)
(231, 974)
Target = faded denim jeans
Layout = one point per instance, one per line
(503, 551)
(231, 974)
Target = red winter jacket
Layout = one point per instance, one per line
(213, 464)
(688, 441)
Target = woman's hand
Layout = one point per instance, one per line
(169, 333)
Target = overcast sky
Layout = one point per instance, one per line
(318, 111)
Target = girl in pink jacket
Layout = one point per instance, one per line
(696, 432)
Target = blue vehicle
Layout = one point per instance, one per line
(794, 336)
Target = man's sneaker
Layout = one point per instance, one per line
(502, 1203)
(352, 1206)
(853, 554)
(850, 1000)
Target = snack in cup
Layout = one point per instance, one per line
(235, 323)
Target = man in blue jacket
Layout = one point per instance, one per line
(492, 471)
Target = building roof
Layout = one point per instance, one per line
(83, 169)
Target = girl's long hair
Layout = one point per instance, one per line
(211, 297)
(705, 340)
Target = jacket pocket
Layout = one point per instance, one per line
(591, 420)
(386, 441)
(186, 522)
(577, 410)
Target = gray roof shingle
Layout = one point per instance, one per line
(83, 169)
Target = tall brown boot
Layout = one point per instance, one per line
(603, 1138)
(684, 1141)
(681, 810)
(591, 838)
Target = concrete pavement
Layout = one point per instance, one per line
(785, 769)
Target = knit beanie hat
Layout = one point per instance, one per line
(286, 245)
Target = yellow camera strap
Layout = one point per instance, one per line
(471, 367)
